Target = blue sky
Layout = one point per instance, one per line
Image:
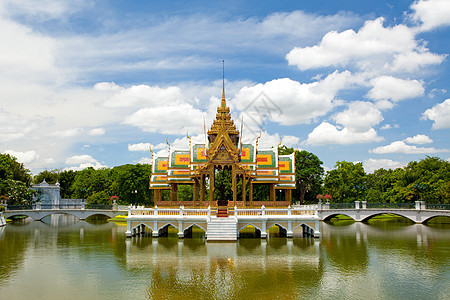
(94, 83)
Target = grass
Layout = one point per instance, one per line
(119, 218)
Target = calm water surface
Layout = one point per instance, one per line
(63, 258)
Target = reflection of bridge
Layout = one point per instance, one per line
(81, 211)
(418, 212)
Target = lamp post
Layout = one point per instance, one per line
(419, 188)
(134, 192)
(83, 192)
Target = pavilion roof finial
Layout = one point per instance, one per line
(223, 103)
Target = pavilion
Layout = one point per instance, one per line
(223, 150)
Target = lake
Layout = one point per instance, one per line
(63, 258)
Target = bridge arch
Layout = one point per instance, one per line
(282, 230)
(308, 229)
(435, 216)
(18, 214)
(367, 218)
(192, 225)
(334, 214)
(140, 226)
(249, 224)
(257, 233)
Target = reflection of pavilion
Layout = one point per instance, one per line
(225, 270)
(223, 151)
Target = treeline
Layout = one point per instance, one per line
(129, 182)
(427, 179)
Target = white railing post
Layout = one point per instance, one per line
(235, 212)
(356, 204)
(83, 205)
(289, 210)
(209, 212)
(129, 209)
(156, 210)
(423, 205)
(364, 204)
(263, 208)
(417, 204)
(181, 210)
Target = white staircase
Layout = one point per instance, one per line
(221, 229)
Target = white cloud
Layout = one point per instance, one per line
(419, 139)
(139, 95)
(42, 9)
(145, 160)
(431, 13)
(384, 104)
(169, 119)
(83, 162)
(371, 164)
(389, 126)
(440, 114)
(327, 133)
(71, 132)
(401, 147)
(24, 157)
(96, 132)
(289, 102)
(139, 147)
(374, 48)
(359, 117)
(80, 159)
(395, 89)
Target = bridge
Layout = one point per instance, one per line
(361, 211)
(303, 218)
(37, 212)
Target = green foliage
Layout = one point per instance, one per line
(101, 197)
(308, 174)
(10, 168)
(50, 177)
(341, 182)
(222, 185)
(14, 180)
(18, 192)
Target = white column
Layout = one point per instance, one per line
(417, 204)
(356, 204)
(263, 229)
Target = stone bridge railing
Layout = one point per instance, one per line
(298, 210)
(419, 205)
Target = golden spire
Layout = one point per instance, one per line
(223, 103)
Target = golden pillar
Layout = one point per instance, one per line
(243, 189)
(202, 188)
(250, 193)
(211, 186)
(173, 193)
(157, 195)
(195, 196)
(288, 194)
(233, 185)
(272, 193)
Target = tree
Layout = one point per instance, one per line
(308, 173)
(341, 182)
(15, 180)
(49, 176)
(66, 180)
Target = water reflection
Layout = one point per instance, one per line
(351, 261)
(202, 270)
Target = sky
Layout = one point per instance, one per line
(96, 83)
